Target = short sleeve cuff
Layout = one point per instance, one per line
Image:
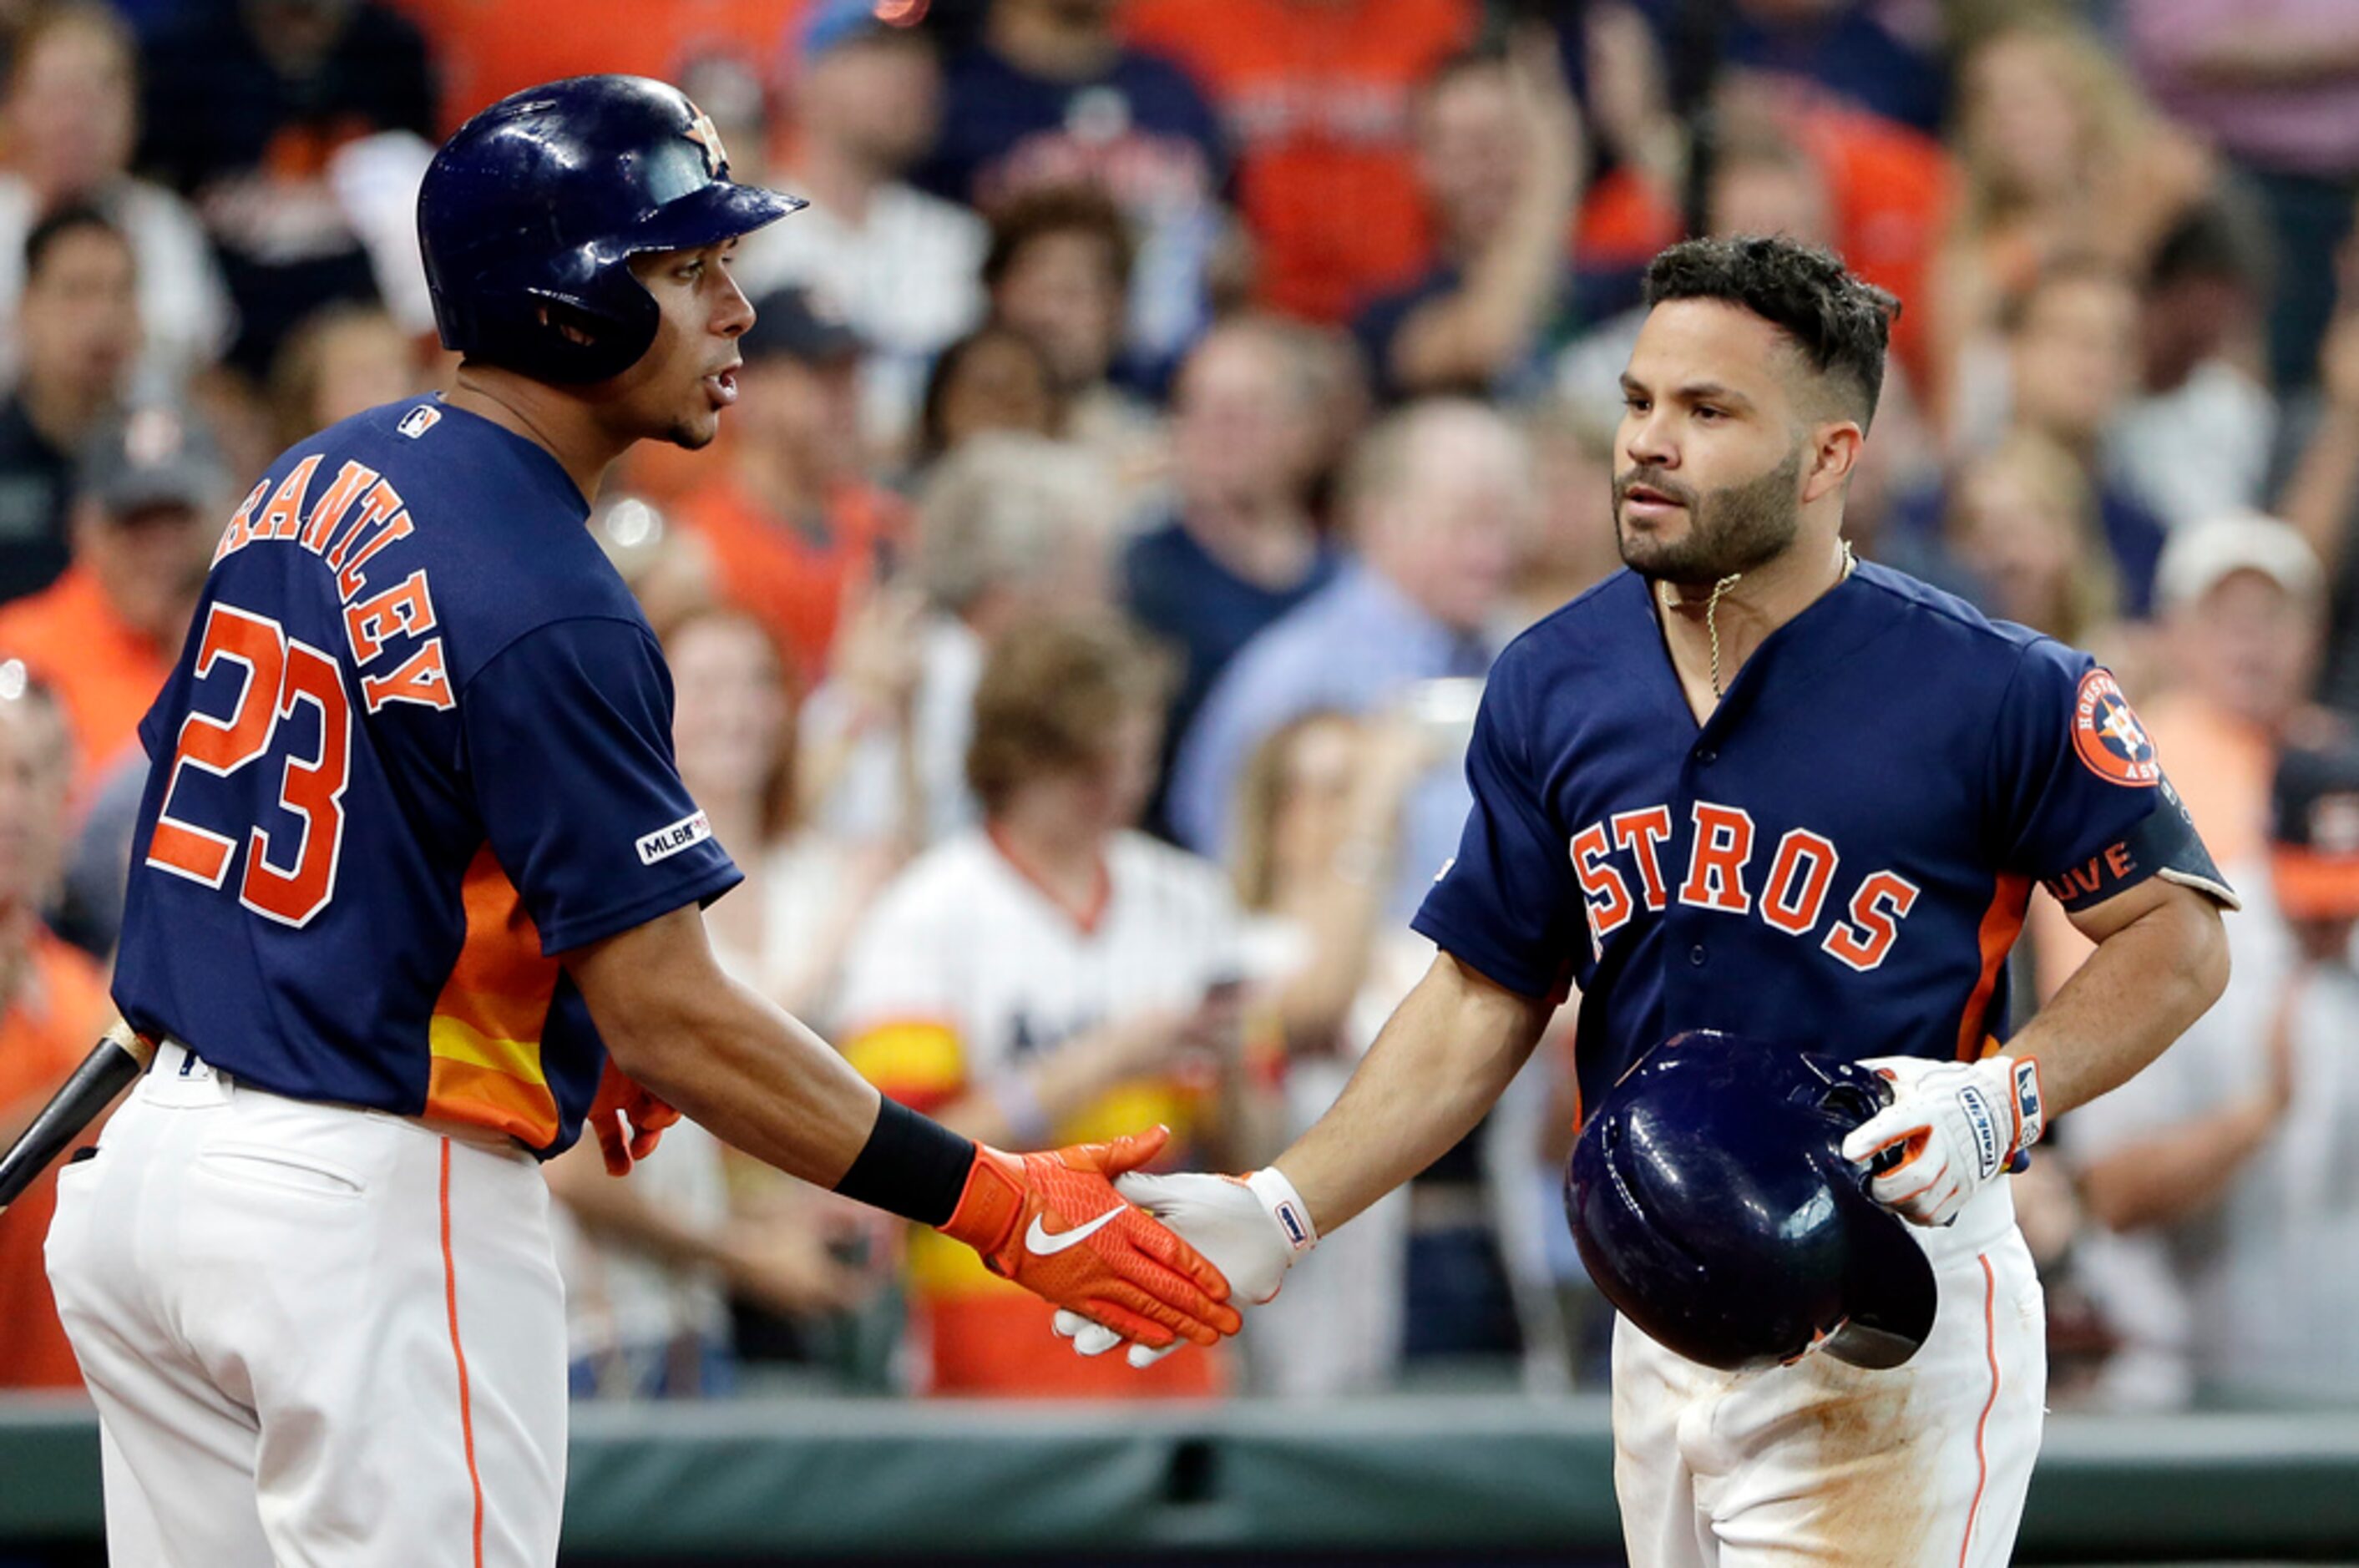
(596, 925)
(1485, 958)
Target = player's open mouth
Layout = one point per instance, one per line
(722, 385)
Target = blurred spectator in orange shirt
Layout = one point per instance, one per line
(52, 1005)
(793, 519)
(154, 496)
(2244, 604)
(78, 331)
(1052, 97)
(1893, 190)
(1502, 158)
(1315, 97)
(72, 116)
(489, 48)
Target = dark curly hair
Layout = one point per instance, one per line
(1840, 325)
(1057, 210)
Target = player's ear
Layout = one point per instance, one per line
(1833, 453)
(568, 325)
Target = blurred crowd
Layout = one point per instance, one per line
(1159, 418)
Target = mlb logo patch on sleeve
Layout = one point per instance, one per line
(665, 842)
(419, 420)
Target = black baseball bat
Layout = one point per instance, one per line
(119, 1057)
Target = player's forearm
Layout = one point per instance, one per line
(723, 1054)
(756, 1078)
(2136, 993)
(1444, 1058)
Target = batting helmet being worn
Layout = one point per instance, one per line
(1715, 1210)
(530, 213)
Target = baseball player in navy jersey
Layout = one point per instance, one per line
(415, 895)
(1752, 785)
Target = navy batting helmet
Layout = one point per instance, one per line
(1714, 1209)
(529, 214)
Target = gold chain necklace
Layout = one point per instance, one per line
(1711, 608)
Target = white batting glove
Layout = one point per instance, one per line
(1251, 1228)
(1958, 1124)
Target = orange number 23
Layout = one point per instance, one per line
(280, 674)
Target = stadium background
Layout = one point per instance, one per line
(1284, 331)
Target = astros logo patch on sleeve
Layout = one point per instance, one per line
(2107, 734)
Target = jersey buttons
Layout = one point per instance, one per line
(1696, 955)
(1705, 756)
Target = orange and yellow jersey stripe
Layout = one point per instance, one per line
(485, 1035)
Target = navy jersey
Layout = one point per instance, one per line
(417, 744)
(1841, 858)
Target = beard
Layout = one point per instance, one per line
(1731, 531)
(691, 436)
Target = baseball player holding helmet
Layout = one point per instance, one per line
(1752, 786)
(415, 896)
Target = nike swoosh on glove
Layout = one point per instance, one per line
(1053, 1223)
(1957, 1123)
(627, 1119)
(1250, 1227)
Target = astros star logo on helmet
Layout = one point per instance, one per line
(706, 135)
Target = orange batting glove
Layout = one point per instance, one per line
(622, 1101)
(1054, 1224)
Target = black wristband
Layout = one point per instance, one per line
(911, 1166)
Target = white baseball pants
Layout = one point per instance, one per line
(1924, 1465)
(318, 1337)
